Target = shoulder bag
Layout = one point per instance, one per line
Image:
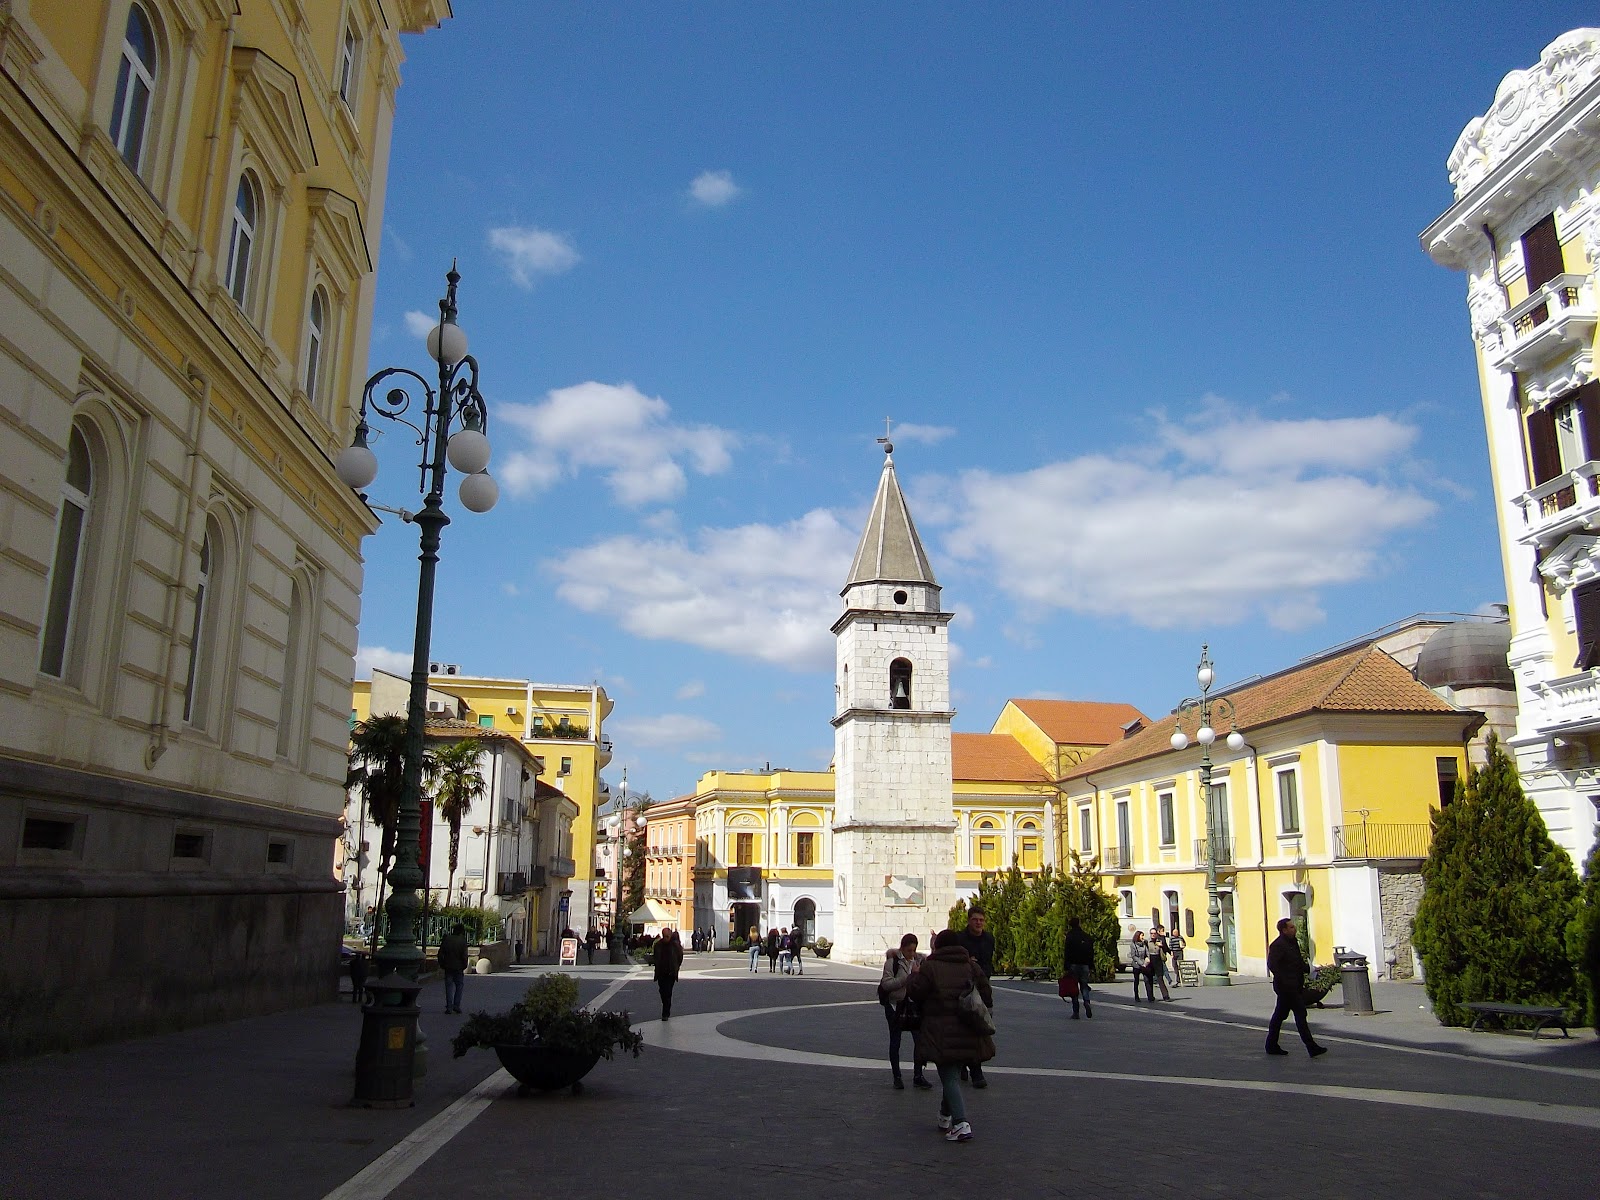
(974, 1013)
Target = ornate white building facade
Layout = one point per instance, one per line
(1525, 227)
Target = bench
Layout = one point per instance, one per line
(1543, 1014)
(1035, 974)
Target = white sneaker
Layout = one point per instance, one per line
(944, 1122)
(960, 1133)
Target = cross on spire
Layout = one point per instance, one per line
(888, 446)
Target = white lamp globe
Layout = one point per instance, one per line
(479, 492)
(1179, 740)
(1236, 740)
(447, 342)
(356, 466)
(640, 822)
(1205, 675)
(468, 451)
(1205, 735)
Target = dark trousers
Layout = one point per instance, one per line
(452, 990)
(665, 986)
(1290, 1002)
(1149, 987)
(917, 1061)
(1157, 977)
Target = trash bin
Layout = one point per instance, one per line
(1355, 980)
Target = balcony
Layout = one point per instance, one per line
(1202, 852)
(1382, 841)
(562, 868)
(1566, 504)
(537, 878)
(1116, 858)
(1554, 321)
(1568, 704)
(510, 883)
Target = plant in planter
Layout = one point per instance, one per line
(545, 1040)
(1322, 980)
(822, 947)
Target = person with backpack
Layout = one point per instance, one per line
(903, 1017)
(1176, 944)
(1079, 957)
(774, 948)
(955, 998)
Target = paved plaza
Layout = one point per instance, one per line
(771, 1085)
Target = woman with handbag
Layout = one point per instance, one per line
(903, 1016)
(1139, 960)
(957, 1028)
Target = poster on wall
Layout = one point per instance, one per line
(569, 952)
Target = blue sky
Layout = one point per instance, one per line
(1145, 294)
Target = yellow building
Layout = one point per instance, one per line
(562, 726)
(1525, 229)
(1323, 814)
(669, 843)
(191, 200)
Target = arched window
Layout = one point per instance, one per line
(900, 683)
(136, 86)
(349, 65)
(289, 689)
(202, 633)
(316, 333)
(242, 238)
(66, 572)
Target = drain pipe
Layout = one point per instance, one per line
(1261, 843)
(213, 144)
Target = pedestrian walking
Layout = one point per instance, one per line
(1079, 956)
(785, 950)
(755, 947)
(1287, 966)
(1159, 936)
(1176, 945)
(979, 944)
(591, 940)
(797, 943)
(1158, 964)
(948, 1039)
(902, 1016)
(453, 962)
(667, 959)
(358, 976)
(1139, 960)
(774, 946)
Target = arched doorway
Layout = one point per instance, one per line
(805, 918)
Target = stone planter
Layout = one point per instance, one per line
(538, 1069)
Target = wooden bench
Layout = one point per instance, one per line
(1035, 974)
(1542, 1014)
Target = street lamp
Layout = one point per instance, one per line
(456, 403)
(617, 831)
(1200, 708)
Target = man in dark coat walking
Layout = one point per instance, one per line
(667, 958)
(1287, 966)
(1079, 954)
(453, 962)
(978, 942)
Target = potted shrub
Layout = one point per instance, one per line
(544, 1040)
(822, 947)
(1323, 980)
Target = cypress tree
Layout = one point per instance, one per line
(1498, 899)
(1583, 942)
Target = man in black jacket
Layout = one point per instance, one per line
(1079, 952)
(1287, 966)
(979, 943)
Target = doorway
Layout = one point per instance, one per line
(1230, 931)
(742, 918)
(805, 919)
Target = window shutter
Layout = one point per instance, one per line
(1541, 254)
(1588, 400)
(1543, 449)
(1586, 608)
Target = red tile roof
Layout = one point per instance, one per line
(1080, 722)
(992, 756)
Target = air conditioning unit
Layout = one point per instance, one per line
(511, 710)
(436, 706)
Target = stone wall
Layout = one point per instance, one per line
(1399, 894)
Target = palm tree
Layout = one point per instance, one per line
(378, 769)
(459, 784)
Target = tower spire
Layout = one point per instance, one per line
(890, 550)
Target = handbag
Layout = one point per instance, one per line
(973, 1012)
(1067, 985)
(908, 1015)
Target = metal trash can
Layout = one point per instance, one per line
(1355, 980)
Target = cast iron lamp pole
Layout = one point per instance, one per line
(457, 402)
(1201, 708)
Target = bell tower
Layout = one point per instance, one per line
(894, 824)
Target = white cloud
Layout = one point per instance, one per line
(764, 592)
(928, 435)
(714, 189)
(690, 690)
(528, 252)
(613, 428)
(665, 730)
(510, 589)
(1232, 518)
(396, 662)
(420, 324)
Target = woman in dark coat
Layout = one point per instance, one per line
(774, 947)
(667, 958)
(947, 1040)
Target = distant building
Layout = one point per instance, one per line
(191, 204)
(1525, 227)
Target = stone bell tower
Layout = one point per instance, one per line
(894, 824)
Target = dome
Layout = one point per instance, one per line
(1467, 654)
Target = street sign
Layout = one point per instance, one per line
(569, 952)
(1189, 973)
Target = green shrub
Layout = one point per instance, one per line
(1028, 916)
(1583, 936)
(547, 1016)
(1499, 898)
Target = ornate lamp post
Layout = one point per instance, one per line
(1200, 709)
(455, 404)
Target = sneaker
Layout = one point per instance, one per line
(960, 1133)
(944, 1122)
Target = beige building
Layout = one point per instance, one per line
(191, 198)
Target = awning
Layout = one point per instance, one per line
(651, 913)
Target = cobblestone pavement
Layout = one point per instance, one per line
(774, 1086)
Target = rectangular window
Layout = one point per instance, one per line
(1085, 827)
(1028, 853)
(1127, 902)
(280, 853)
(805, 849)
(1447, 770)
(49, 833)
(1541, 254)
(1544, 445)
(1586, 613)
(744, 849)
(1169, 830)
(989, 854)
(538, 726)
(1288, 802)
(1219, 809)
(566, 766)
(486, 721)
(1124, 832)
(189, 845)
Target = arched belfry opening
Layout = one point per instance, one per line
(900, 683)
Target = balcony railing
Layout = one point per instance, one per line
(1570, 703)
(1561, 505)
(562, 868)
(510, 883)
(1557, 318)
(1382, 841)
(1116, 858)
(1202, 852)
